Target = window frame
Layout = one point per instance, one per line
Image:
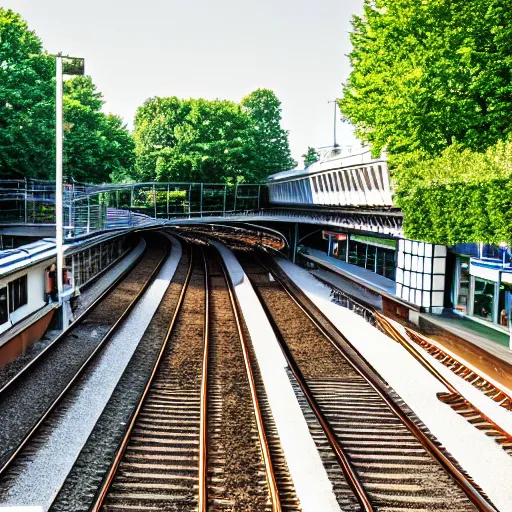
(18, 293)
(6, 290)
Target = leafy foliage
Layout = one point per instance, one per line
(212, 141)
(429, 74)
(272, 151)
(96, 145)
(311, 156)
(432, 83)
(460, 196)
(27, 101)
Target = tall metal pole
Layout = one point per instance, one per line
(154, 198)
(167, 200)
(335, 105)
(295, 242)
(59, 234)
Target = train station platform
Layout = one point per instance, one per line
(483, 346)
(371, 280)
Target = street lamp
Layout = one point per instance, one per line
(335, 119)
(64, 66)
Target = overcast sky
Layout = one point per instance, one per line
(211, 49)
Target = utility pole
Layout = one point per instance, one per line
(335, 101)
(75, 66)
(59, 221)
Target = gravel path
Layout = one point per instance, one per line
(22, 404)
(235, 464)
(313, 484)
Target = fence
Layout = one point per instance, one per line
(90, 208)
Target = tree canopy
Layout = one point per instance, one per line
(211, 141)
(27, 101)
(460, 196)
(272, 151)
(96, 145)
(429, 74)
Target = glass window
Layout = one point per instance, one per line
(352, 252)
(4, 315)
(370, 259)
(17, 293)
(484, 298)
(361, 255)
(389, 264)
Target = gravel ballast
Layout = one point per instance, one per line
(40, 470)
(81, 303)
(95, 458)
(22, 403)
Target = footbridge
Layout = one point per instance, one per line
(345, 191)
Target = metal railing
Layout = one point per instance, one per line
(89, 208)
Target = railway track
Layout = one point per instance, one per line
(468, 374)
(197, 440)
(29, 398)
(471, 375)
(411, 340)
(387, 458)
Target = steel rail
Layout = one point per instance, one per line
(481, 503)
(505, 400)
(348, 469)
(407, 344)
(388, 328)
(107, 481)
(80, 370)
(203, 426)
(79, 318)
(269, 470)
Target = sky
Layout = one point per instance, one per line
(212, 49)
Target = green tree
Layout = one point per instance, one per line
(154, 133)
(27, 104)
(428, 74)
(272, 151)
(96, 145)
(192, 140)
(211, 141)
(311, 156)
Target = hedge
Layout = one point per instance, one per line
(459, 197)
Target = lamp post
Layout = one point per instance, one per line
(335, 105)
(68, 66)
(59, 216)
